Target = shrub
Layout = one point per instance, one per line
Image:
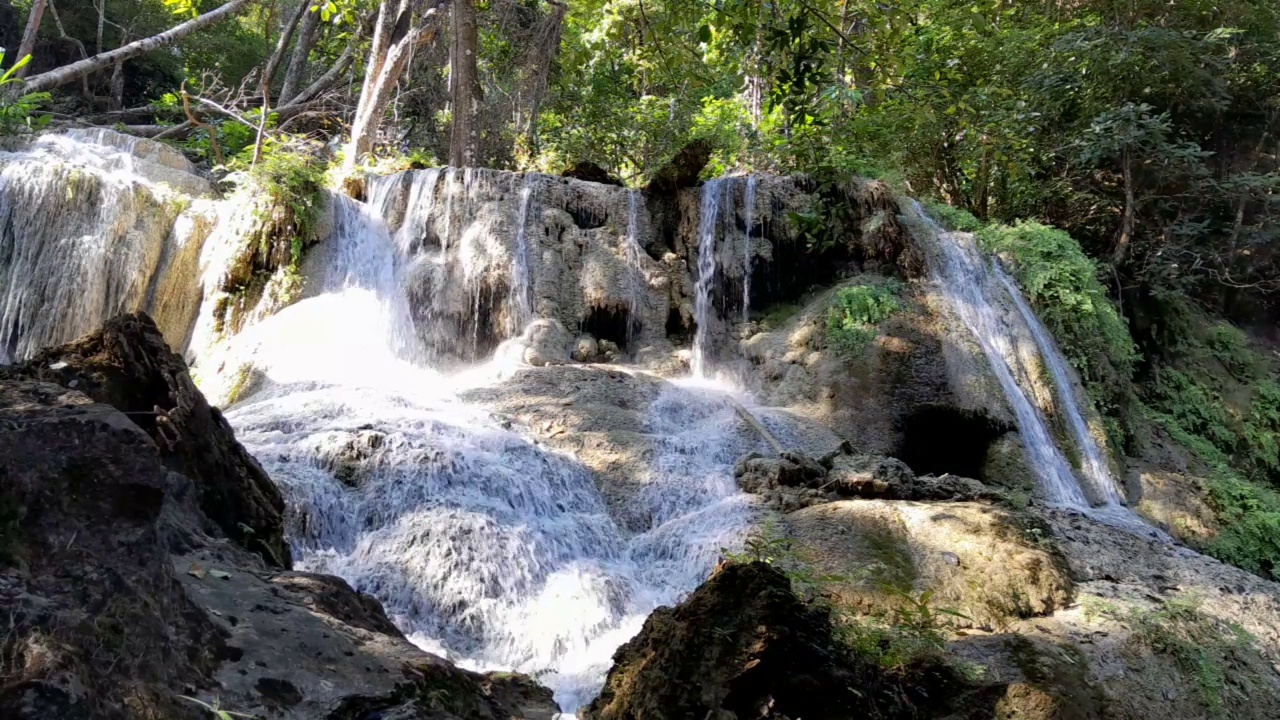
(953, 218)
(856, 314)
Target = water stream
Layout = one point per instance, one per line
(712, 202)
(961, 272)
(749, 208)
(483, 545)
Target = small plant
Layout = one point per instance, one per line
(856, 314)
(17, 111)
(769, 545)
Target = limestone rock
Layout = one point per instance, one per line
(976, 559)
(586, 349)
(128, 365)
(546, 343)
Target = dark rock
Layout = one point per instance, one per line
(96, 622)
(683, 169)
(128, 365)
(591, 172)
(743, 645)
(110, 617)
(793, 480)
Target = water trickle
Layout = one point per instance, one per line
(962, 274)
(749, 207)
(636, 279)
(714, 193)
(1093, 465)
(522, 261)
(483, 545)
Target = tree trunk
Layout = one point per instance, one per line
(1126, 226)
(67, 73)
(394, 39)
(286, 34)
(29, 35)
(464, 84)
(301, 51)
(330, 76)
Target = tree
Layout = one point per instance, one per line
(29, 35)
(67, 73)
(464, 84)
(395, 36)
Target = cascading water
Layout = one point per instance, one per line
(482, 544)
(713, 198)
(962, 275)
(636, 277)
(522, 260)
(88, 230)
(1093, 464)
(749, 207)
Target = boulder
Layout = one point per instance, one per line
(127, 365)
(980, 561)
(546, 342)
(743, 645)
(586, 349)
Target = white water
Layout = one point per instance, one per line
(713, 198)
(635, 267)
(749, 205)
(1093, 463)
(87, 231)
(961, 273)
(482, 544)
(522, 265)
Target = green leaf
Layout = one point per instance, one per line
(704, 34)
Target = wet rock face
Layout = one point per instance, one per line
(128, 365)
(744, 646)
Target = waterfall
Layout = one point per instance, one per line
(961, 272)
(749, 207)
(522, 263)
(87, 231)
(483, 545)
(714, 193)
(1093, 463)
(636, 277)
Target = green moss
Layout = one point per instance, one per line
(777, 315)
(856, 313)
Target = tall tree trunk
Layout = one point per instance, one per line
(464, 84)
(67, 73)
(395, 36)
(28, 44)
(307, 35)
(1126, 226)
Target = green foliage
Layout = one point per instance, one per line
(16, 111)
(1062, 284)
(293, 179)
(856, 313)
(953, 218)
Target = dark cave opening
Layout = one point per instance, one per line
(612, 323)
(939, 439)
(677, 330)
